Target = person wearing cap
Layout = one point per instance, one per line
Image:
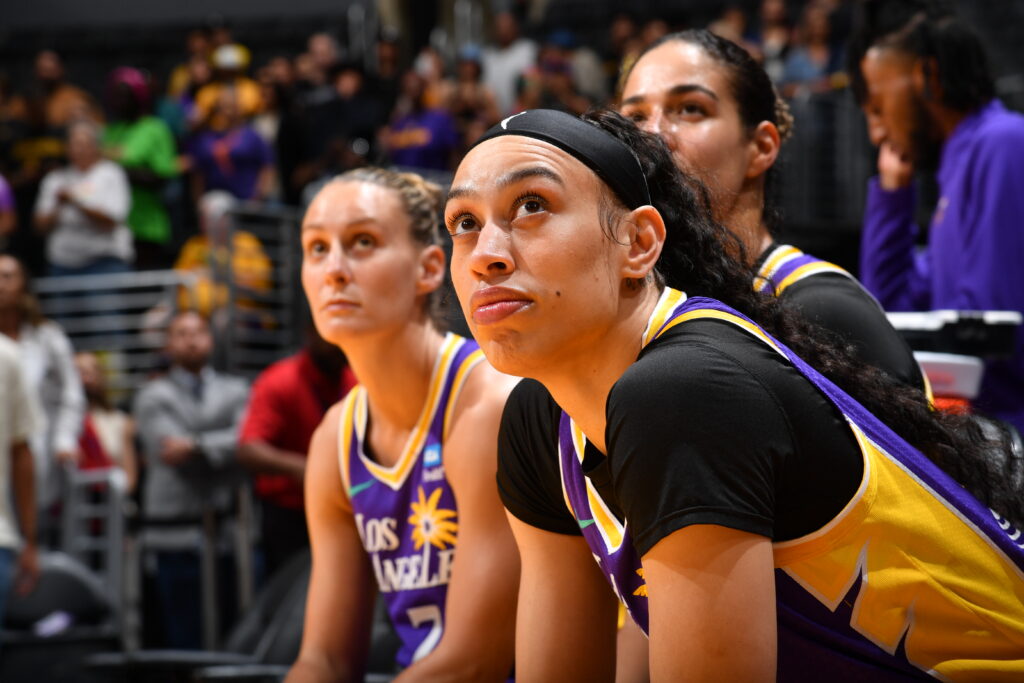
(144, 146)
(229, 65)
(758, 522)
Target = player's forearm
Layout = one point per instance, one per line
(261, 457)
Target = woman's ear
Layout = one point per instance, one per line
(431, 269)
(764, 148)
(645, 237)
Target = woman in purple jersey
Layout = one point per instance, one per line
(404, 466)
(719, 114)
(689, 452)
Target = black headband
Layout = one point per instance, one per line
(610, 158)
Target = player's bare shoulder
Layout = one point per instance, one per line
(484, 394)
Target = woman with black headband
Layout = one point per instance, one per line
(755, 520)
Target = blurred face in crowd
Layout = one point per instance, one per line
(227, 106)
(536, 274)
(49, 69)
(12, 282)
(189, 341)
(280, 72)
(896, 107)
(197, 43)
(506, 29)
(682, 94)
(91, 372)
(362, 270)
(323, 49)
(83, 145)
(773, 11)
(199, 71)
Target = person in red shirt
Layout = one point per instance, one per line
(287, 402)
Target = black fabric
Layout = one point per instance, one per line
(841, 305)
(709, 426)
(605, 155)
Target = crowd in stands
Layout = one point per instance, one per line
(144, 174)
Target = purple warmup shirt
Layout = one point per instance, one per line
(975, 254)
(231, 160)
(6, 196)
(424, 139)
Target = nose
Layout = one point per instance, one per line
(491, 253)
(659, 124)
(337, 266)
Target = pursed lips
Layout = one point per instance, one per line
(494, 304)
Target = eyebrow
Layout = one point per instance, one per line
(682, 89)
(357, 221)
(510, 178)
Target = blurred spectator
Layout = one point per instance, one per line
(188, 425)
(229, 64)
(182, 107)
(233, 157)
(470, 101)
(383, 84)
(8, 213)
(550, 85)
(49, 368)
(323, 56)
(429, 64)
(587, 75)
(197, 45)
(286, 404)
(108, 434)
(731, 24)
(19, 568)
(929, 94)
(144, 146)
(507, 60)
(61, 101)
(621, 50)
(419, 137)
(653, 31)
(82, 208)
(773, 39)
(340, 133)
(222, 258)
(13, 121)
(813, 64)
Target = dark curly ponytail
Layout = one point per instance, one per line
(699, 258)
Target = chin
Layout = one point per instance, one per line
(508, 353)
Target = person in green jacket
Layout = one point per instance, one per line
(144, 145)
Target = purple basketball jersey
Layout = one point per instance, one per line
(406, 514)
(913, 579)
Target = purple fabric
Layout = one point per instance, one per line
(231, 160)
(412, 581)
(975, 245)
(621, 567)
(424, 139)
(814, 643)
(6, 196)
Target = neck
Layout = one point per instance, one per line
(10, 322)
(580, 384)
(948, 119)
(384, 363)
(745, 220)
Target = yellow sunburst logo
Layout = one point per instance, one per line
(642, 590)
(431, 524)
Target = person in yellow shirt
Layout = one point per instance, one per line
(243, 263)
